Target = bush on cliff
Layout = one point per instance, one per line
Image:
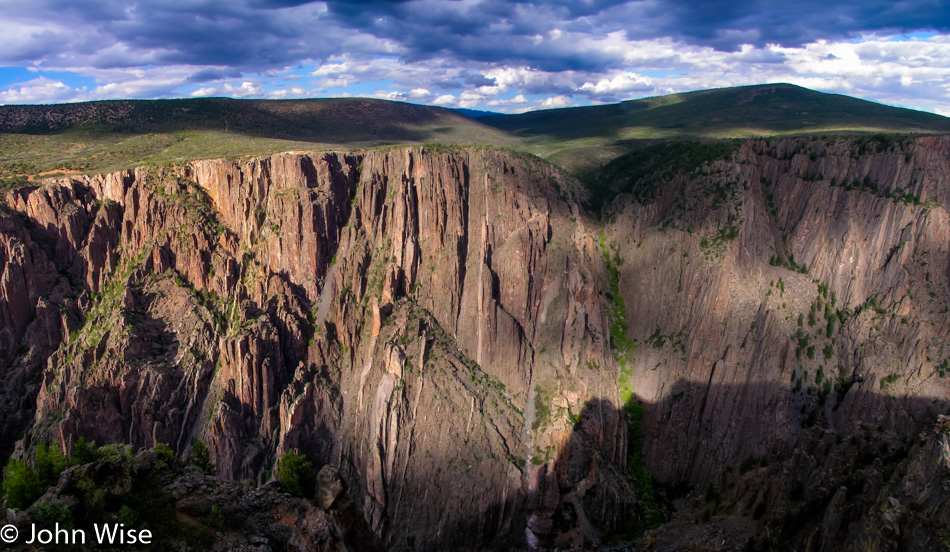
(296, 475)
(202, 458)
(21, 486)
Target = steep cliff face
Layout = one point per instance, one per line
(455, 333)
(787, 302)
(420, 319)
(857, 301)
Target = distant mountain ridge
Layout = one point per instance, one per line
(723, 112)
(108, 135)
(580, 138)
(726, 112)
(315, 119)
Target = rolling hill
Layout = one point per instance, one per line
(109, 135)
(581, 137)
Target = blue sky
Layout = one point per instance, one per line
(481, 54)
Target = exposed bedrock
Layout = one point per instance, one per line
(469, 346)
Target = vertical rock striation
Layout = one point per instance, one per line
(454, 333)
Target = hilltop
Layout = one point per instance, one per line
(579, 137)
(111, 135)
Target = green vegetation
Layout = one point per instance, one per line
(582, 138)
(873, 187)
(542, 408)
(21, 485)
(714, 246)
(111, 484)
(296, 475)
(201, 457)
(621, 344)
(112, 135)
(887, 380)
(636, 469)
(161, 132)
(643, 172)
(24, 483)
(788, 261)
(752, 461)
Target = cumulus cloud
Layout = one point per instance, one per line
(41, 90)
(556, 102)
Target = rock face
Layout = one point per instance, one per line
(467, 346)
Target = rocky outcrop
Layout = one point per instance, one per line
(171, 506)
(422, 319)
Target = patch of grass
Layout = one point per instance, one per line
(542, 408)
(889, 379)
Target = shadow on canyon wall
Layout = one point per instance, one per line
(615, 475)
(600, 489)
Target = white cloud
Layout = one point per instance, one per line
(40, 90)
(555, 102)
(445, 100)
(619, 82)
(331, 69)
(517, 100)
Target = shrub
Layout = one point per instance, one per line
(21, 486)
(166, 456)
(91, 498)
(48, 462)
(202, 458)
(48, 514)
(83, 452)
(748, 463)
(828, 351)
(118, 458)
(129, 517)
(296, 475)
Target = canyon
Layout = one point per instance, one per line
(748, 351)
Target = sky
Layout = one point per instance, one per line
(505, 56)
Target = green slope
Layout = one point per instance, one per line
(109, 135)
(588, 136)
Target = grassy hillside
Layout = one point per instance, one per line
(582, 137)
(108, 135)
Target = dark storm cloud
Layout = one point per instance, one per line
(727, 24)
(490, 31)
(256, 35)
(478, 79)
(210, 75)
(505, 31)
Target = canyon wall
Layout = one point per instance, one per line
(473, 349)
